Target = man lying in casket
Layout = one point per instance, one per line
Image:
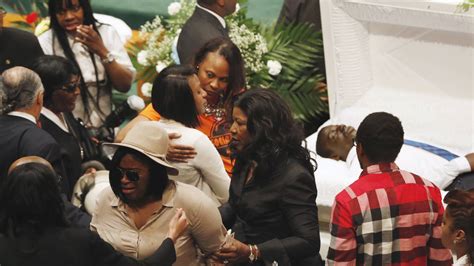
(337, 142)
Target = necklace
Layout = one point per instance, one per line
(217, 110)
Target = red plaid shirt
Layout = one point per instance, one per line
(387, 216)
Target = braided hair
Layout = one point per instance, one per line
(461, 210)
(55, 6)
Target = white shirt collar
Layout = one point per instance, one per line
(351, 156)
(54, 118)
(462, 261)
(221, 19)
(23, 115)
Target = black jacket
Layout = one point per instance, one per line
(20, 137)
(18, 48)
(70, 151)
(200, 28)
(74, 247)
(279, 214)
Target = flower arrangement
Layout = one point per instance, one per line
(31, 11)
(157, 51)
(265, 52)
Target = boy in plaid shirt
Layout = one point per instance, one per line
(387, 216)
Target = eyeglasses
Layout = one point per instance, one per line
(71, 87)
(132, 175)
(73, 9)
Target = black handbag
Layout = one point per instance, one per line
(90, 146)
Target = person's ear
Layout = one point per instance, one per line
(39, 98)
(460, 236)
(220, 3)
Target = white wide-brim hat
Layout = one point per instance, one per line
(148, 138)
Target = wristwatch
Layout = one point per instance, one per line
(109, 58)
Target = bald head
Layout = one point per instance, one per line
(335, 141)
(21, 90)
(27, 160)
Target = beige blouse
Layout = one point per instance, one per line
(205, 231)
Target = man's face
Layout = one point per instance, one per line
(229, 6)
(339, 139)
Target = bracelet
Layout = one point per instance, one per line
(251, 256)
(257, 252)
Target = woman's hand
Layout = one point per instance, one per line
(179, 153)
(235, 252)
(90, 38)
(177, 225)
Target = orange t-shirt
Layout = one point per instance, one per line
(217, 131)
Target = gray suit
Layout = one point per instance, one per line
(200, 28)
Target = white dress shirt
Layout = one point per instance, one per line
(425, 164)
(221, 19)
(55, 119)
(23, 115)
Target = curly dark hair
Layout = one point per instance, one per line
(53, 7)
(274, 134)
(461, 209)
(31, 201)
(381, 136)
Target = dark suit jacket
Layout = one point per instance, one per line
(301, 11)
(70, 151)
(20, 137)
(278, 214)
(75, 247)
(18, 48)
(200, 28)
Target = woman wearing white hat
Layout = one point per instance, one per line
(132, 214)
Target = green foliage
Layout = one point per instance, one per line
(466, 5)
(25, 7)
(298, 47)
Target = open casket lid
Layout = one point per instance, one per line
(410, 58)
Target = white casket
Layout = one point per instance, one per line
(414, 59)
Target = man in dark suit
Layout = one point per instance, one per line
(206, 23)
(301, 11)
(17, 47)
(21, 92)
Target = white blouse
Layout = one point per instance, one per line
(206, 171)
(115, 46)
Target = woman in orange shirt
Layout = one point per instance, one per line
(220, 69)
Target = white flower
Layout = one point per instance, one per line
(142, 58)
(160, 66)
(146, 89)
(237, 8)
(174, 8)
(274, 67)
